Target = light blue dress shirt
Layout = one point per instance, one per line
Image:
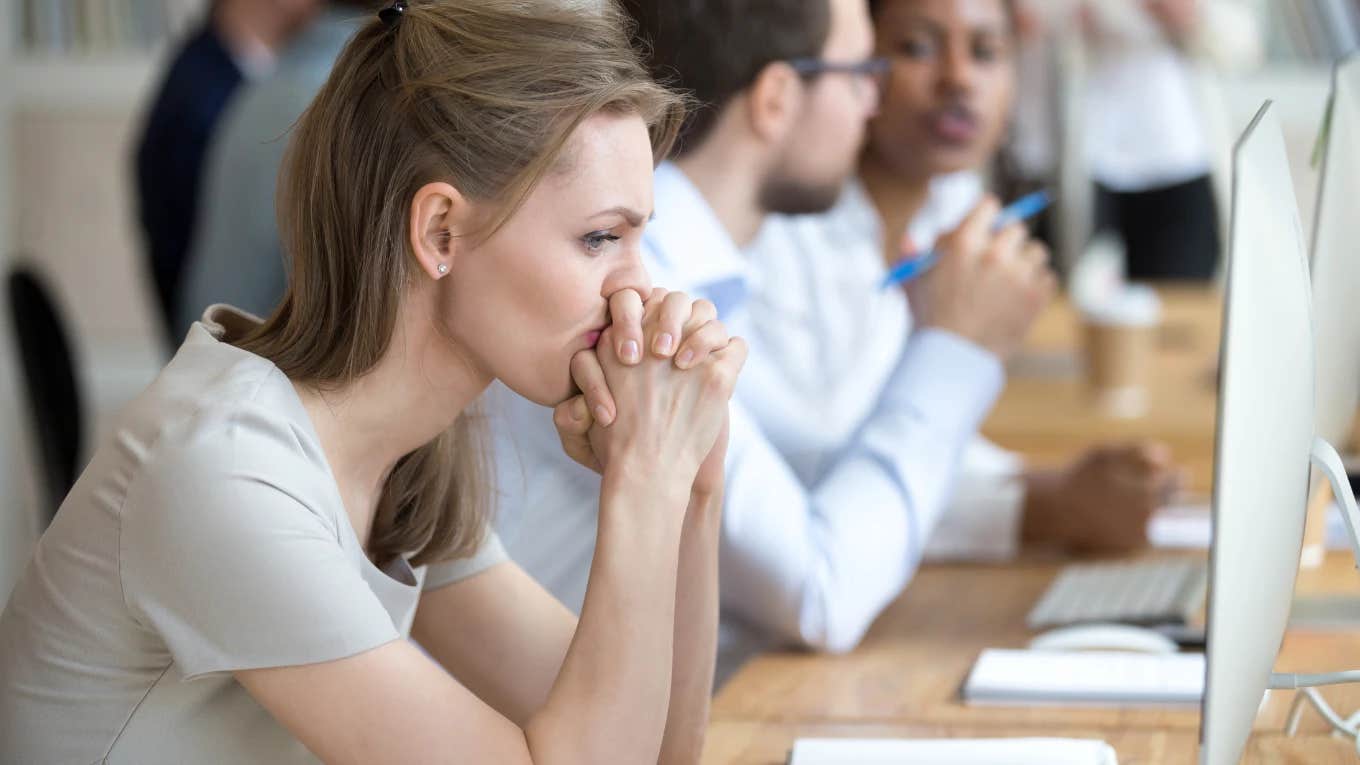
(829, 339)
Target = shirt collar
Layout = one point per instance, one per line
(223, 323)
(854, 212)
(952, 196)
(949, 199)
(687, 240)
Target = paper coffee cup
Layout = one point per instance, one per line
(1120, 339)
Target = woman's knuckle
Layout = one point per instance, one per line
(716, 379)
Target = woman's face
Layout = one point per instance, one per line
(953, 80)
(526, 300)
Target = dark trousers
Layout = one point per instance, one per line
(1170, 234)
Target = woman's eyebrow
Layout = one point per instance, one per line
(633, 217)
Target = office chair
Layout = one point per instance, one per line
(49, 376)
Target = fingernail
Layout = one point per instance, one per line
(602, 415)
(629, 352)
(684, 359)
(664, 341)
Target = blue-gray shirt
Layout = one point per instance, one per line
(237, 257)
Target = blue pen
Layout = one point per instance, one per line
(1024, 208)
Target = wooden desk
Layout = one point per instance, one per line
(748, 743)
(914, 659)
(911, 665)
(1046, 412)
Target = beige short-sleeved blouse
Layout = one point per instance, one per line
(207, 535)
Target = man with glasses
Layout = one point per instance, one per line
(784, 88)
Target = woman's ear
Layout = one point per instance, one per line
(773, 102)
(438, 214)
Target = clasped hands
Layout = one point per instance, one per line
(654, 392)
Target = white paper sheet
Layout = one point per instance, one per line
(1085, 678)
(997, 751)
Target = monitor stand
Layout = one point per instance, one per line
(1326, 460)
(1337, 610)
(1325, 612)
(1331, 611)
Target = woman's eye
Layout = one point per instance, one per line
(915, 48)
(986, 51)
(595, 242)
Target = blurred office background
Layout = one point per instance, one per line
(76, 77)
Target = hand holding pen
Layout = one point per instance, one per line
(987, 284)
(1022, 209)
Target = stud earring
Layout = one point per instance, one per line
(442, 268)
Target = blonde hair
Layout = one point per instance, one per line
(483, 94)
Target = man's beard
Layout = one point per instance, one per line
(782, 195)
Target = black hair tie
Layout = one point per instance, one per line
(392, 14)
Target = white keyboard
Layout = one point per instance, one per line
(1163, 591)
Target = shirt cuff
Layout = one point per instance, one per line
(950, 382)
(982, 521)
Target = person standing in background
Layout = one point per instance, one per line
(1146, 119)
(237, 42)
(1151, 165)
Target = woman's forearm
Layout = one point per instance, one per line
(696, 632)
(609, 702)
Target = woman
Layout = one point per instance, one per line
(943, 117)
(237, 574)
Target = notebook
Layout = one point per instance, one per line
(995, 751)
(1188, 527)
(1085, 678)
(1181, 527)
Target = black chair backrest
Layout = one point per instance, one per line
(50, 377)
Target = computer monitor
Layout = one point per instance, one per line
(1263, 440)
(1336, 261)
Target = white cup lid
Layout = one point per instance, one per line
(1136, 305)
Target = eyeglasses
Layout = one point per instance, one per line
(875, 69)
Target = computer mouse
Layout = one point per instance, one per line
(1104, 637)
